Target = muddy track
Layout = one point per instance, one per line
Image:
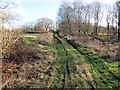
(77, 54)
(67, 67)
(90, 59)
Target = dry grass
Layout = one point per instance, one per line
(98, 46)
(9, 37)
(46, 37)
(21, 54)
(26, 63)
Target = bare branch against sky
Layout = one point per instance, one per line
(89, 1)
(29, 8)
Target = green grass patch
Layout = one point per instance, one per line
(34, 36)
(104, 73)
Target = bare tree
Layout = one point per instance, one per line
(79, 10)
(46, 23)
(114, 20)
(108, 20)
(28, 28)
(118, 8)
(96, 15)
(7, 37)
(66, 17)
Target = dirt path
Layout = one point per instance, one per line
(74, 72)
(79, 67)
(61, 64)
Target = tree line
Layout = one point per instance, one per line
(90, 19)
(43, 24)
(82, 17)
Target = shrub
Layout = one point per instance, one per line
(8, 39)
(21, 52)
(14, 48)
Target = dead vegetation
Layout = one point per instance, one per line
(104, 47)
(26, 64)
(46, 37)
(8, 39)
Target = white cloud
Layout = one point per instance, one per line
(15, 7)
(20, 11)
(16, 12)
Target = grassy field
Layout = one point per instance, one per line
(60, 63)
(105, 72)
(72, 71)
(85, 67)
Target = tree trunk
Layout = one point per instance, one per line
(118, 5)
(96, 29)
(118, 56)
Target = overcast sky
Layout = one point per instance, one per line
(31, 10)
